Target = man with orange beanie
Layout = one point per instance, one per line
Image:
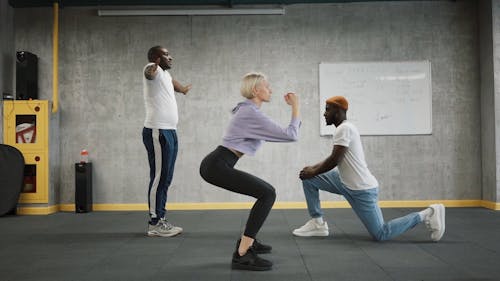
(354, 181)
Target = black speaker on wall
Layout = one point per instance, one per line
(83, 187)
(26, 76)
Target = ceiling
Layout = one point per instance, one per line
(227, 3)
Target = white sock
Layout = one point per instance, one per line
(426, 213)
(319, 220)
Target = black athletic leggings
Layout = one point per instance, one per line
(218, 169)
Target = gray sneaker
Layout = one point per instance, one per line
(312, 228)
(163, 229)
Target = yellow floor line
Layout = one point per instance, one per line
(45, 210)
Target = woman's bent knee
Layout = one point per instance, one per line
(269, 194)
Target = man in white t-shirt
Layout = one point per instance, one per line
(354, 181)
(159, 136)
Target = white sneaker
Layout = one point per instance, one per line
(312, 228)
(436, 222)
(163, 229)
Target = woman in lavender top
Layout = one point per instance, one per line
(248, 129)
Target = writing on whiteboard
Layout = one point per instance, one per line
(385, 98)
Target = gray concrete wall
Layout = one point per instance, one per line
(54, 158)
(488, 135)
(7, 53)
(102, 108)
(496, 70)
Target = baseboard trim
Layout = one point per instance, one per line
(45, 210)
(490, 205)
(286, 205)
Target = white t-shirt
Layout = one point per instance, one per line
(353, 169)
(159, 100)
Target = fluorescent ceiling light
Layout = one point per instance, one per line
(192, 12)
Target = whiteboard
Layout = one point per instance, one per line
(385, 98)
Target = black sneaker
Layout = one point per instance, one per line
(250, 261)
(258, 247)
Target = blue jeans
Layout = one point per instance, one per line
(363, 202)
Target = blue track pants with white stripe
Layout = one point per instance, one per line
(162, 151)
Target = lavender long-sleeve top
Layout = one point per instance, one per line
(249, 128)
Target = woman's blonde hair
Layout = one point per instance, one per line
(249, 82)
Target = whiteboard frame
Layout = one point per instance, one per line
(425, 65)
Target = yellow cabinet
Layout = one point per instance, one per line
(26, 127)
(26, 124)
(36, 181)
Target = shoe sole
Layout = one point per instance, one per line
(156, 234)
(249, 267)
(311, 234)
(439, 208)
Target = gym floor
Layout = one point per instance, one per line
(113, 246)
